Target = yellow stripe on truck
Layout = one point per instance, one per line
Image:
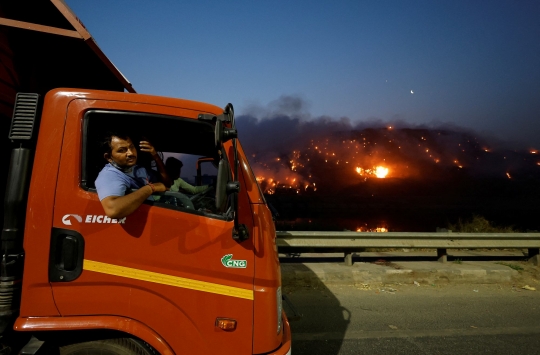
(165, 279)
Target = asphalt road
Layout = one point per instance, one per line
(407, 319)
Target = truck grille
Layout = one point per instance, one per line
(24, 116)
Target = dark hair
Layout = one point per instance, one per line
(105, 142)
(173, 166)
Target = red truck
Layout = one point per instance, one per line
(195, 276)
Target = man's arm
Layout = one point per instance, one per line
(161, 168)
(149, 148)
(122, 206)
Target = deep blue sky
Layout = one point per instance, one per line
(475, 64)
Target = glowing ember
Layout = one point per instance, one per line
(534, 151)
(508, 174)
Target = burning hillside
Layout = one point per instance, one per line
(328, 174)
(337, 158)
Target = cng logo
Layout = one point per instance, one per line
(228, 261)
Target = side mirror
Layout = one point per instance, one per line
(224, 187)
(221, 184)
(222, 134)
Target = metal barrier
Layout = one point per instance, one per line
(349, 242)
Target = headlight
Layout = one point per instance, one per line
(279, 302)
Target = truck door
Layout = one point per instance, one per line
(172, 269)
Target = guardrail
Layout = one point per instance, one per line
(349, 242)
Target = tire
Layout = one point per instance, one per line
(118, 346)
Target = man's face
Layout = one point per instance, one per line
(123, 152)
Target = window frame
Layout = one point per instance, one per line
(86, 149)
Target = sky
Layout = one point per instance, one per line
(471, 64)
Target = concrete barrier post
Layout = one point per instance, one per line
(348, 258)
(442, 255)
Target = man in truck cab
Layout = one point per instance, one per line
(122, 173)
(174, 167)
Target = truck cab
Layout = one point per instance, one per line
(171, 269)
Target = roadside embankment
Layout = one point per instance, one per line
(464, 267)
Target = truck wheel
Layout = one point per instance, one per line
(119, 346)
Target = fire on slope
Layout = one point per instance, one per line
(349, 158)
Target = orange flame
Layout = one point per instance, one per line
(379, 172)
(378, 229)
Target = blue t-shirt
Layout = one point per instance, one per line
(113, 182)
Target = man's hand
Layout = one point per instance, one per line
(159, 187)
(147, 147)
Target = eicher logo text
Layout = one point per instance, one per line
(90, 218)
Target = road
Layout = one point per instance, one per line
(408, 319)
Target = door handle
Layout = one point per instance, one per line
(66, 255)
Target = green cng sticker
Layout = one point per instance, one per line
(228, 261)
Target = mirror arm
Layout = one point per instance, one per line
(240, 232)
(233, 187)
